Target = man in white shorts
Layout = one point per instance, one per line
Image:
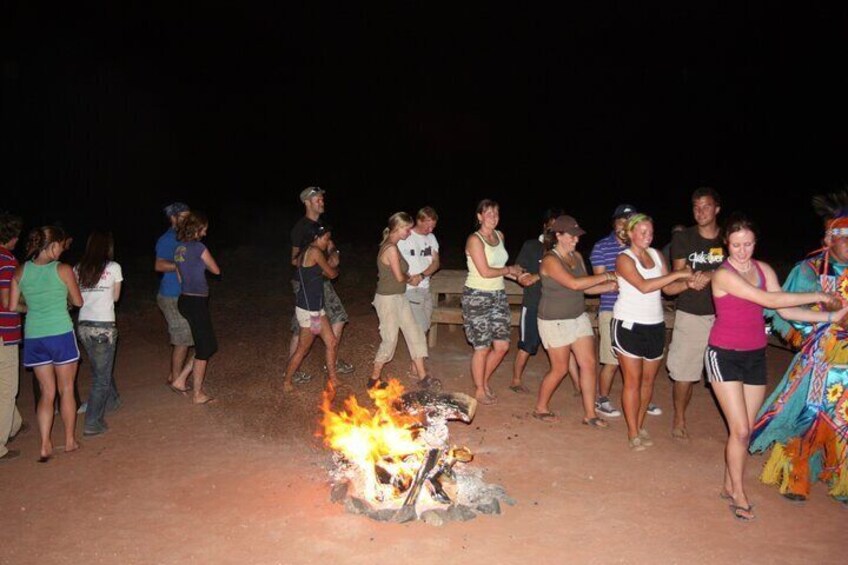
(421, 251)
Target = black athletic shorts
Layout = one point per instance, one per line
(645, 341)
(724, 365)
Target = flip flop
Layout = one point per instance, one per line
(724, 495)
(738, 512)
(208, 400)
(44, 458)
(548, 417)
(520, 389)
(182, 391)
(486, 400)
(596, 422)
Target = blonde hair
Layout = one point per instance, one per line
(632, 221)
(398, 220)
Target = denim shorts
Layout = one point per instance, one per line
(54, 349)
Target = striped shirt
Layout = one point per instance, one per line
(10, 322)
(604, 254)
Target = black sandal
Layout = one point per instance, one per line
(377, 384)
(430, 383)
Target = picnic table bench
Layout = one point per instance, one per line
(446, 288)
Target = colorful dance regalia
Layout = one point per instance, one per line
(806, 417)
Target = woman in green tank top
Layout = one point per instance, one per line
(50, 347)
(564, 326)
(393, 308)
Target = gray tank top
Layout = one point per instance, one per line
(559, 302)
(386, 281)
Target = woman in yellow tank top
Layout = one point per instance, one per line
(485, 310)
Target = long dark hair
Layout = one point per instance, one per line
(99, 250)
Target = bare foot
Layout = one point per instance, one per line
(485, 399)
(288, 387)
(202, 398)
(73, 446)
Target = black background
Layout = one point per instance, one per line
(111, 112)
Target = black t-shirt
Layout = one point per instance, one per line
(530, 257)
(702, 255)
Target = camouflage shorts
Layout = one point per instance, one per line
(486, 316)
(332, 306)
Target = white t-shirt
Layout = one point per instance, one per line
(418, 251)
(98, 302)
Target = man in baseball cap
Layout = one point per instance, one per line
(169, 293)
(310, 192)
(313, 203)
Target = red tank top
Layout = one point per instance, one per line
(739, 323)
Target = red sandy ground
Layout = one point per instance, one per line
(244, 480)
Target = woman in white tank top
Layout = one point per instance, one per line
(638, 327)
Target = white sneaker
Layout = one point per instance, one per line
(82, 408)
(654, 410)
(604, 407)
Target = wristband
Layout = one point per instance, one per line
(829, 317)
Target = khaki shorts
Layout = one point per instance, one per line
(559, 333)
(688, 342)
(303, 316)
(605, 354)
(178, 327)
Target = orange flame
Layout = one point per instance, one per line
(367, 438)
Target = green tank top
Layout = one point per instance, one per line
(387, 284)
(47, 301)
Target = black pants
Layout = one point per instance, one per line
(195, 309)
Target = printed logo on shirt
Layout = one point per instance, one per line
(427, 251)
(714, 256)
(179, 254)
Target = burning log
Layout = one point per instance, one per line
(422, 474)
(442, 405)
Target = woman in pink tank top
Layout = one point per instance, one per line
(735, 356)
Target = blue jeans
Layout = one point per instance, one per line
(100, 339)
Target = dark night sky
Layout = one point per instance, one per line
(111, 113)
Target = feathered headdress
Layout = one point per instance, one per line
(833, 209)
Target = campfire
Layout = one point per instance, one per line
(395, 462)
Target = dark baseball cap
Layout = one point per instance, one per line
(567, 224)
(623, 210)
(175, 209)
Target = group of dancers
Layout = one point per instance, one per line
(723, 295)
